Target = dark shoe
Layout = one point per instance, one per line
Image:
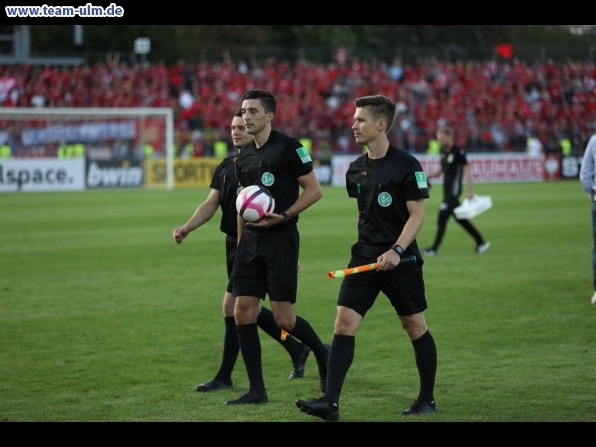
(320, 408)
(323, 379)
(213, 385)
(420, 407)
(298, 371)
(250, 398)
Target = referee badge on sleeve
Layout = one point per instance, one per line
(421, 179)
(303, 154)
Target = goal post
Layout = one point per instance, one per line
(128, 135)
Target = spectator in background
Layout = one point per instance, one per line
(483, 93)
(189, 110)
(454, 167)
(534, 146)
(396, 71)
(224, 188)
(587, 173)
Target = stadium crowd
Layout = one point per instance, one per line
(491, 105)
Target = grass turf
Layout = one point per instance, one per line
(103, 318)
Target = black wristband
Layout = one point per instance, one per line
(398, 249)
(286, 217)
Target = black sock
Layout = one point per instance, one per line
(340, 360)
(425, 352)
(250, 346)
(230, 352)
(303, 331)
(266, 321)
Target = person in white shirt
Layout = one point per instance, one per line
(586, 176)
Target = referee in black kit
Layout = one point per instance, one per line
(390, 187)
(455, 168)
(223, 193)
(268, 250)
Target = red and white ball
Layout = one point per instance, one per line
(253, 202)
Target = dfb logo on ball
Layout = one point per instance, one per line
(253, 202)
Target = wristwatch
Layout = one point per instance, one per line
(286, 217)
(398, 249)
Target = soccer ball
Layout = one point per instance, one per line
(253, 202)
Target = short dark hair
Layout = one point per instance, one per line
(238, 113)
(380, 107)
(267, 99)
(446, 130)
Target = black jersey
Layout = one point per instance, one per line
(382, 188)
(224, 180)
(453, 164)
(276, 166)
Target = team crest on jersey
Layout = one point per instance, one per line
(421, 179)
(384, 199)
(267, 179)
(303, 154)
(450, 158)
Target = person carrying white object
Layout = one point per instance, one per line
(454, 167)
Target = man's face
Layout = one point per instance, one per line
(240, 137)
(365, 128)
(444, 140)
(254, 116)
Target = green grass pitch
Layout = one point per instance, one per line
(103, 318)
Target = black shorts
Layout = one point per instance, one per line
(231, 245)
(404, 285)
(267, 264)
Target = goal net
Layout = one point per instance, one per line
(118, 145)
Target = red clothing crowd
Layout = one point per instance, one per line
(493, 106)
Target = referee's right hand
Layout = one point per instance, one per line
(179, 234)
